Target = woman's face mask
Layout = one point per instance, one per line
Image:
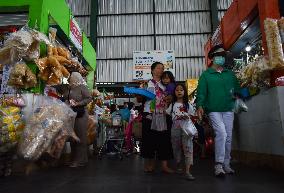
(219, 60)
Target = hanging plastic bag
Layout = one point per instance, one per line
(49, 126)
(240, 106)
(22, 77)
(274, 46)
(188, 127)
(159, 122)
(279, 81)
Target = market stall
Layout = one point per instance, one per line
(253, 31)
(36, 58)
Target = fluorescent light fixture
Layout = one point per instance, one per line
(248, 48)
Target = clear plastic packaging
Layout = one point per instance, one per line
(6, 55)
(52, 68)
(240, 106)
(11, 100)
(16, 46)
(255, 73)
(274, 45)
(47, 130)
(22, 77)
(11, 127)
(281, 28)
(75, 65)
(24, 43)
(52, 34)
(188, 127)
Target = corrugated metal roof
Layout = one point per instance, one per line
(122, 47)
(183, 45)
(125, 25)
(125, 6)
(221, 14)
(181, 5)
(13, 19)
(114, 71)
(84, 23)
(80, 7)
(189, 68)
(224, 4)
(183, 23)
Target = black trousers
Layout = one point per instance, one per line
(156, 144)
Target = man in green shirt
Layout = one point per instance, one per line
(216, 94)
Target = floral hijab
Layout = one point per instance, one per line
(158, 105)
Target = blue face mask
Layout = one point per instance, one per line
(219, 60)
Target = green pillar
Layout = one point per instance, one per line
(93, 27)
(214, 14)
(90, 79)
(93, 38)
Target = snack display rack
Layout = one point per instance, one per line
(35, 56)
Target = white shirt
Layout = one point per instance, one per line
(151, 88)
(178, 109)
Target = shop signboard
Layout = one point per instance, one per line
(76, 34)
(142, 61)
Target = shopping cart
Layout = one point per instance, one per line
(114, 138)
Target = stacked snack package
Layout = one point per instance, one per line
(57, 65)
(22, 77)
(11, 127)
(255, 73)
(23, 44)
(274, 45)
(281, 28)
(47, 130)
(58, 62)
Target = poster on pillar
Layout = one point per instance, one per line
(142, 61)
(75, 34)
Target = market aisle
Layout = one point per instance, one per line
(114, 176)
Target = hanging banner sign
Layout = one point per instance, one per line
(75, 34)
(142, 61)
